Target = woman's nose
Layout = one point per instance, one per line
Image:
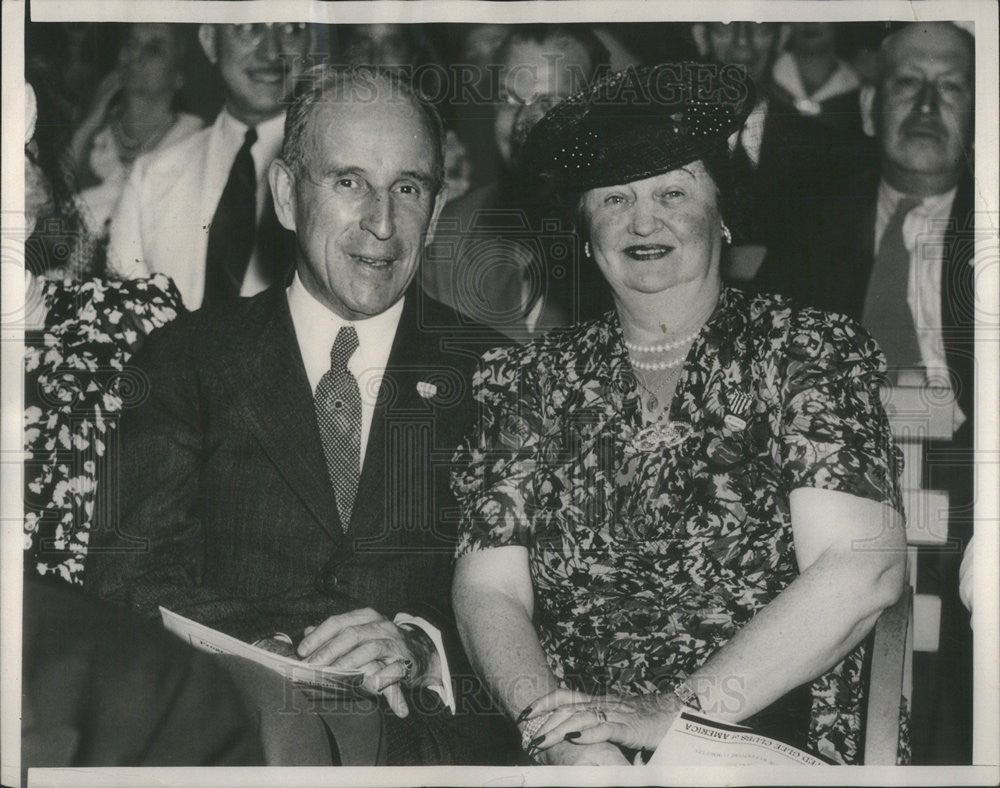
(644, 220)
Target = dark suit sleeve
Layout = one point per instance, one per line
(148, 544)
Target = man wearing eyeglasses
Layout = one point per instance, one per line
(201, 211)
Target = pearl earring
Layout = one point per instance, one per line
(727, 234)
(586, 248)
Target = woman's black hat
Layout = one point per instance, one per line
(639, 122)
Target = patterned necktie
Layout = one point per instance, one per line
(338, 413)
(231, 235)
(887, 314)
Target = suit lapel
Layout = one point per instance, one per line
(407, 364)
(271, 391)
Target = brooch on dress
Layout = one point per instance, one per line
(659, 436)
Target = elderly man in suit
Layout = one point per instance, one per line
(200, 211)
(897, 255)
(288, 472)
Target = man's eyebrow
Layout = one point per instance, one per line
(335, 170)
(423, 178)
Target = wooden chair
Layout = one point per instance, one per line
(916, 415)
(890, 681)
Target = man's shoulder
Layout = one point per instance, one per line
(222, 328)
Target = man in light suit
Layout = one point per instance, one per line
(288, 474)
(917, 303)
(200, 211)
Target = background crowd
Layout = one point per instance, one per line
(805, 165)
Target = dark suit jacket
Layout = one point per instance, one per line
(798, 173)
(225, 511)
(833, 269)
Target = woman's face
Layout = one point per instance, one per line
(651, 235)
(149, 60)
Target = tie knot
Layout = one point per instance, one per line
(250, 137)
(343, 347)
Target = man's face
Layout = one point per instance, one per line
(922, 109)
(748, 44)
(536, 77)
(258, 64)
(364, 205)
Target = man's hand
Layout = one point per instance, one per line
(365, 640)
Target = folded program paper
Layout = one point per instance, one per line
(328, 680)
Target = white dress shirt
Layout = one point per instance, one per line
(923, 235)
(316, 330)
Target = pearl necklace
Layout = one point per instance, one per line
(662, 348)
(656, 365)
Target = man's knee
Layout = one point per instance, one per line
(291, 733)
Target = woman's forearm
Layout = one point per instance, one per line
(806, 630)
(502, 645)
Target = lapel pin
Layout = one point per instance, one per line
(426, 390)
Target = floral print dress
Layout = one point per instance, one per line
(78, 381)
(647, 557)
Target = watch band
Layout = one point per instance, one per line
(687, 695)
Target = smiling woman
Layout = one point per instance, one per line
(662, 507)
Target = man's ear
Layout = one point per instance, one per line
(699, 32)
(439, 203)
(867, 99)
(206, 37)
(282, 181)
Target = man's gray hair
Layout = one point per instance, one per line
(353, 84)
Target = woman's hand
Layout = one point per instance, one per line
(566, 754)
(109, 87)
(636, 721)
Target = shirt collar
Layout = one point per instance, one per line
(320, 324)
(932, 205)
(269, 133)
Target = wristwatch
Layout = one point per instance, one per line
(687, 695)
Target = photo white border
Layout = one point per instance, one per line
(986, 589)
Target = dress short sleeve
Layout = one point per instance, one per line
(494, 466)
(835, 434)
